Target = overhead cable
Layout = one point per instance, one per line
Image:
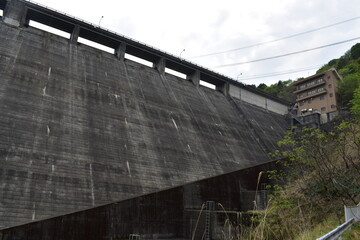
(266, 75)
(286, 54)
(276, 40)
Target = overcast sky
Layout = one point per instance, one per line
(206, 27)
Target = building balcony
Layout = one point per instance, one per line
(307, 88)
(312, 95)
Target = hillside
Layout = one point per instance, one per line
(348, 66)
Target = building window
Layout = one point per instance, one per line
(322, 97)
(311, 92)
(323, 109)
(333, 106)
(301, 95)
(309, 101)
(321, 89)
(320, 80)
(331, 95)
(329, 85)
(310, 84)
(301, 103)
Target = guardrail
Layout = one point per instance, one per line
(338, 232)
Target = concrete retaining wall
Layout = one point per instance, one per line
(258, 100)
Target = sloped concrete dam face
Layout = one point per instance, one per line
(79, 128)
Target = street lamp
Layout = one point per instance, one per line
(100, 20)
(237, 78)
(181, 53)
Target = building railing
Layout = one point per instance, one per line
(311, 95)
(309, 87)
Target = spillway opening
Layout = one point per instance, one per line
(138, 60)
(175, 73)
(49, 29)
(96, 45)
(207, 84)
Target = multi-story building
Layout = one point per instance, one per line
(317, 94)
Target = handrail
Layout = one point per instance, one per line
(337, 232)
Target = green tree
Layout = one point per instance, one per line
(262, 86)
(355, 51)
(347, 86)
(319, 172)
(332, 158)
(342, 62)
(281, 89)
(356, 103)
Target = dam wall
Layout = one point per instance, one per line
(80, 127)
(208, 207)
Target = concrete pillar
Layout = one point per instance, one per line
(15, 13)
(120, 51)
(75, 34)
(194, 78)
(160, 65)
(224, 88)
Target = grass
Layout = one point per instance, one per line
(321, 229)
(354, 233)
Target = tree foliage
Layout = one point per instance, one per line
(281, 89)
(320, 172)
(332, 158)
(348, 67)
(347, 86)
(356, 103)
(355, 51)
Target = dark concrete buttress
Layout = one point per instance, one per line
(195, 78)
(75, 34)
(120, 51)
(160, 65)
(15, 13)
(224, 88)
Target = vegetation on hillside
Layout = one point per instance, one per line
(348, 67)
(320, 172)
(281, 89)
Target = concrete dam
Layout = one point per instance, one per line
(80, 127)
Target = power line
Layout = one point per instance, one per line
(276, 40)
(287, 54)
(265, 75)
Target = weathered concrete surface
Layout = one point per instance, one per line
(79, 128)
(176, 213)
